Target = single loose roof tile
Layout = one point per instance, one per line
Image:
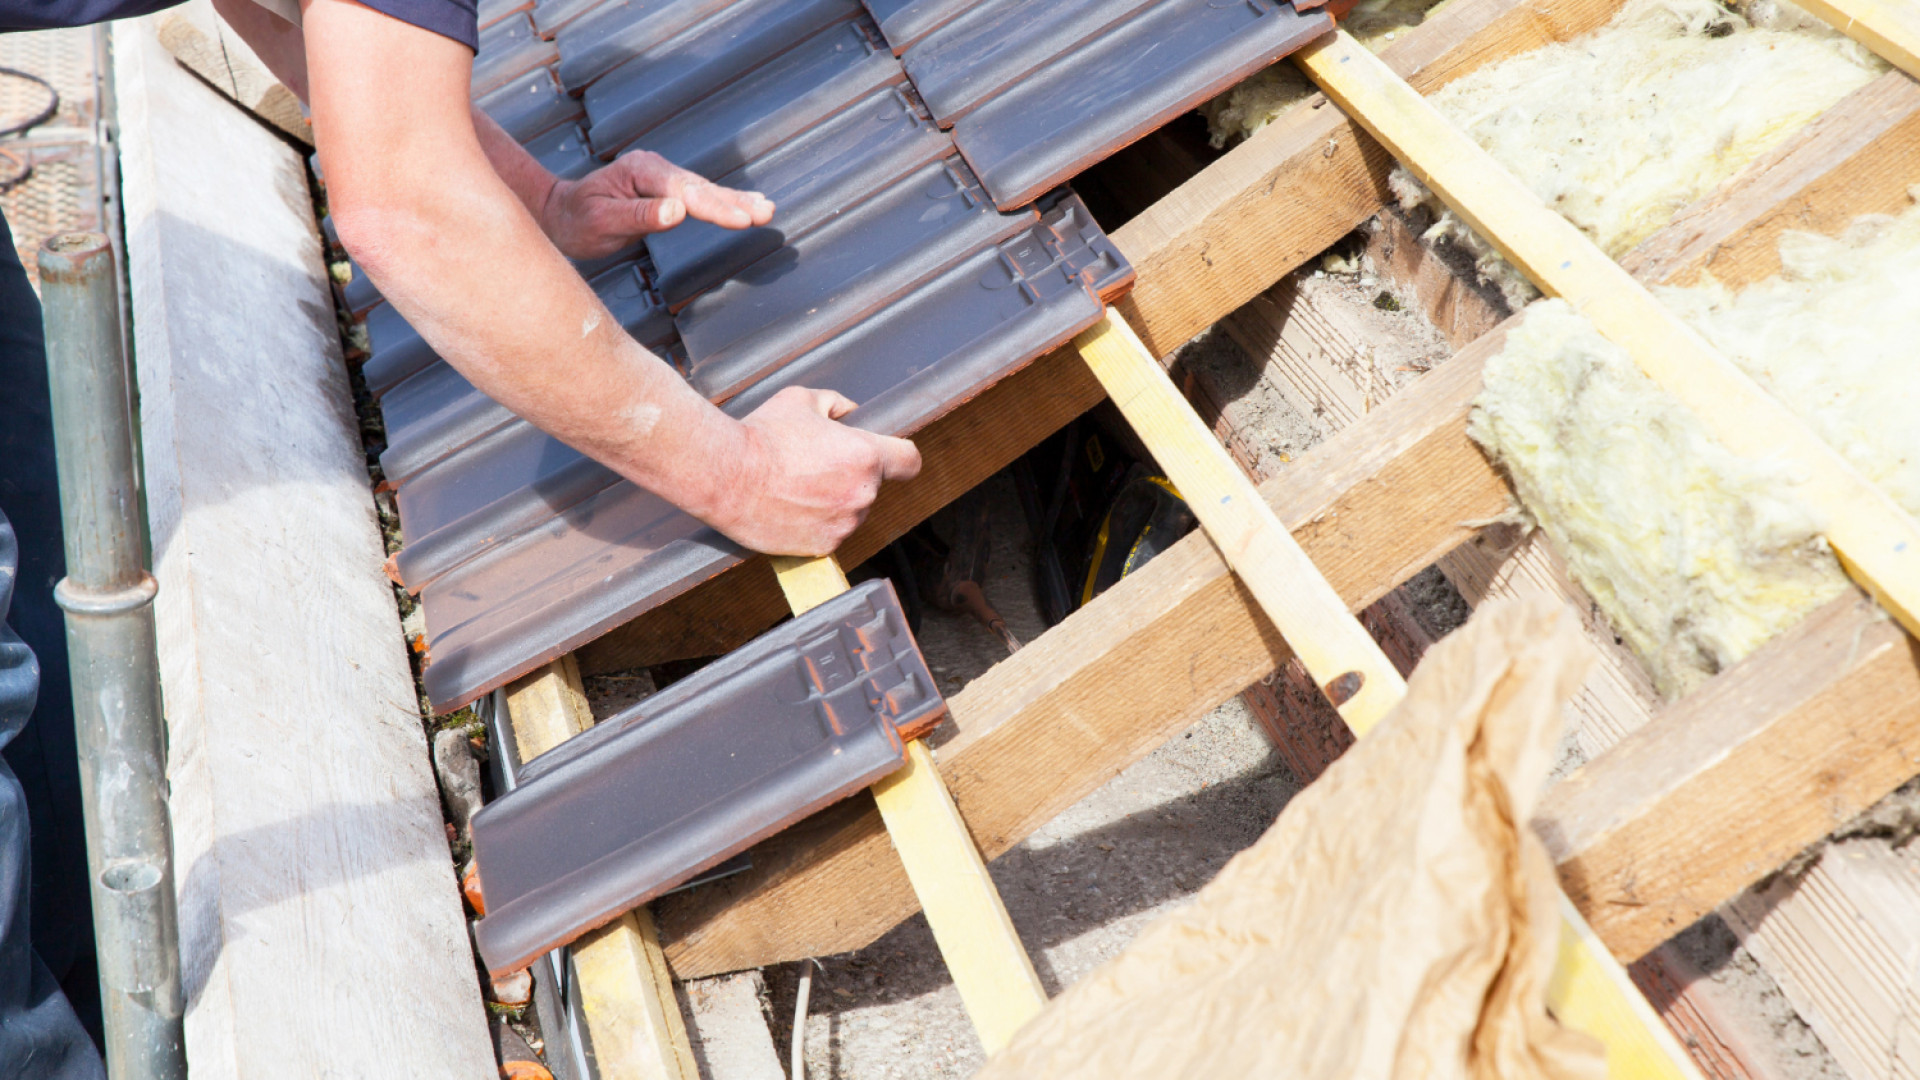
(808, 713)
(1099, 95)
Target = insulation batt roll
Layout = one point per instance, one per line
(1620, 129)
(1833, 337)
(1697, 556)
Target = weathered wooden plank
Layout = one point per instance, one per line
(321, 929)
(1776, 753)
(196, 35)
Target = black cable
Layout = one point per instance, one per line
(44, 115)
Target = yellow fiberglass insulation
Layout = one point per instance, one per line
(1833, 337)
(1620, 129)
(1259, 99)
(1696, 555)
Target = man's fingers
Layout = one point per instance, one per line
(724, 206)
(899, 459)
(654, 176)
(657, 215)
(831, 403)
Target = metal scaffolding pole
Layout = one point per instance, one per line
(108, 599)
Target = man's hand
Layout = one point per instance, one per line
(640, 193)
(806, 481)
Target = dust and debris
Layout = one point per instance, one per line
(1787, 1048)
(1271, 429)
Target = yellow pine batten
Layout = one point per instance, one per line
(1891, 28)
(977, 940)
(1337, 651)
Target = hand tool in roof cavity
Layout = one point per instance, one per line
(806, 714)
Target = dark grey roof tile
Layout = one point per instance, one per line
(760, 110)
(508, 50)
(531, 105)
(988, 47)
(1114, 88)
(805, 715)
(905, 22)
(821, 174)
(837, 275)
(667, 76)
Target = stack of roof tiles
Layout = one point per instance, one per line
(923, 248)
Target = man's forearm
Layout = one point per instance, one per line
(455, 248)
(529, 181)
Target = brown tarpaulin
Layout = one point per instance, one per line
(1398, 920)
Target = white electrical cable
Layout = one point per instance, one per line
(798, 1067)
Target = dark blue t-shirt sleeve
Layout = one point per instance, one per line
(457, 19)
(49, 14)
